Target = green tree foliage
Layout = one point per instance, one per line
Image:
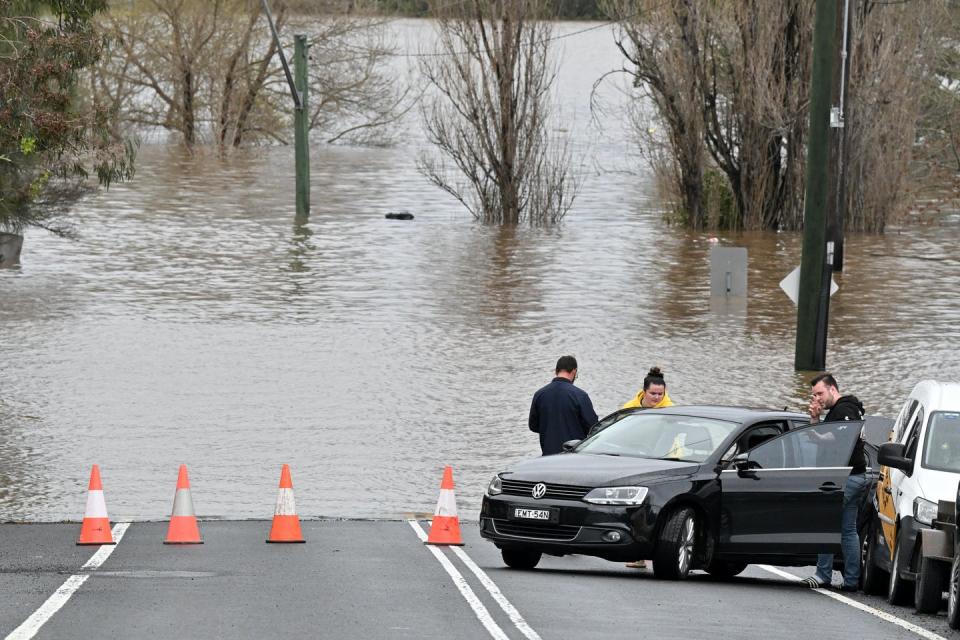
(49, 136)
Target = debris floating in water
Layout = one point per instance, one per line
(399, 215)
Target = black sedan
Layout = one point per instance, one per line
(695, 487)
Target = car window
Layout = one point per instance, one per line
(652, 434)
(913, 432)
(753, 438)
(828, 444)
(941, 447)
(903, 419)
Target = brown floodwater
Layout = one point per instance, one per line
(194, 322)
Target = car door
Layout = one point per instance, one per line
(894, 482)
(786, 496)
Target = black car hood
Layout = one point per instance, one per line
(588, 470)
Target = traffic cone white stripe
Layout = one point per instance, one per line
(286, 505)
(96, 505)
(182, 503)
(446, 504)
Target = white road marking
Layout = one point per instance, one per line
(32, 625)
(501, 599)
(883, 615)
(481, 611)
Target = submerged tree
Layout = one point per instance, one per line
(208, 71)
(50, 137)
(730, 81)
(488, 113)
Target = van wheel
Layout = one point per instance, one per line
(519, 559)
(953, 601)
(898, 591)
(673, 557)
(873, 579)
(928, 588)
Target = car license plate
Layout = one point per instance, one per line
(531, 514)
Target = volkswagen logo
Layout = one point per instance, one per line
(539, 490)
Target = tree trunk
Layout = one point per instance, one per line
(10, 245)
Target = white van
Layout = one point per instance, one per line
(921, 466)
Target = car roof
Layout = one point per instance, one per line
(733, 414)
(937, 395)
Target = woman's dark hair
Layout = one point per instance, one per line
(654, 376)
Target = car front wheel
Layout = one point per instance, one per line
(518, 559)
(873, 578)
(953, 601)
(898, 591)
(673, 557)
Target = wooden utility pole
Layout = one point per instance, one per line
(302, 128)
(837, 193)
(815, 270)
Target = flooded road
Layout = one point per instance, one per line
(194, 322)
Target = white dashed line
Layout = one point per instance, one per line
(32, 625)
(883, 615)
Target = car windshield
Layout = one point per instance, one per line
(941, 451)
(651, 434)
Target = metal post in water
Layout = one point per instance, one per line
(302, 128)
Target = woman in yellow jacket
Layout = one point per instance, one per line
(654, 393)
(652, 396)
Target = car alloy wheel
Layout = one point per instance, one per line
(953, 601)
(685, 554)
(871, 575)
(676, 548)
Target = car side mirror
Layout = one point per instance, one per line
(741, 461)
(570, 445)
(893, 454)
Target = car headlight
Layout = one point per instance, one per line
(924, 511)
(616, 495)
(495, 487)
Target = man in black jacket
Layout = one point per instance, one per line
(560, 411)
(826, 396)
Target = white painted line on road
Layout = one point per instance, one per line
(501, 599)
(104, 551)
(32, 625)
(481, 611)
(883, 615)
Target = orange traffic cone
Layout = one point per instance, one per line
(445, 528)
(183, 527)
(286, 524)
(96, 523)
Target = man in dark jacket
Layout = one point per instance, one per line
(560, 411)
(826, 396)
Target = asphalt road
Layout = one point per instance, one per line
(375, 579)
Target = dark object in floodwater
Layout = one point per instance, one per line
(400, 215)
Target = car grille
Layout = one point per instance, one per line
(562, 532)
(562, 491)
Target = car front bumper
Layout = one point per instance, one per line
(610, 532)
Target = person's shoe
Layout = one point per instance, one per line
(812, 583)
(849, 588)
(639, 564)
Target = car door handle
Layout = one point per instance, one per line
(829, 487)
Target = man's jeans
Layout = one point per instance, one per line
(853, 493)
